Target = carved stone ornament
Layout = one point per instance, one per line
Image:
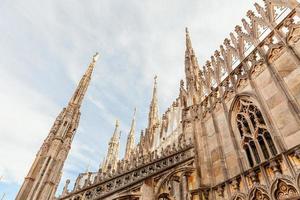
(235, 185)
(284, 190)
(293, 35)
(241, 83)
(275, 50)
(220, 191)
(257, 69)
(259, 194)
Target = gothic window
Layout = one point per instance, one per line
(256, 139)
(248, 153)
(270, 143)
(254, 151)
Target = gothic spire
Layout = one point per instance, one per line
(153, 114)
(130, 138)
(45, 173)
(112, 156)
(192, 70)
(84, 83)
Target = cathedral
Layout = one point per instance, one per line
(233, 132)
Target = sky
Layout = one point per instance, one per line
(45, 47)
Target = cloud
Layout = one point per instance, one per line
(22, 126)
(46, 47)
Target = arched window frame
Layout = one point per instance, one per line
(249, 125)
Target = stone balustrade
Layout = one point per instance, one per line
(104, 184)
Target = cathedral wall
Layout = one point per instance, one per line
(277, 107)
(230, 159)
(281, 118)
(289, 72)
(214, 149)
(202, 153)
(273, 85)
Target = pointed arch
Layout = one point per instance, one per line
(251, 130)
(259, 193)
(169, 176)
(283, 188)
(238, 196)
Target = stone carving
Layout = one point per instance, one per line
(285, 191)
(145, 169)
(259, 194)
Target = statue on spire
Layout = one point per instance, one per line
(95, 57)
(83, 84)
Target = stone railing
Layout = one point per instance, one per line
(104, 184)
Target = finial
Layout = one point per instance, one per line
(155, 79)
(238, 29)
(95, 57)
(250, 14)
(186, 30)
(117, 122)
(208, 64)
(226, 42)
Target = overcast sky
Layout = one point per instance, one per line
(45, 47)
